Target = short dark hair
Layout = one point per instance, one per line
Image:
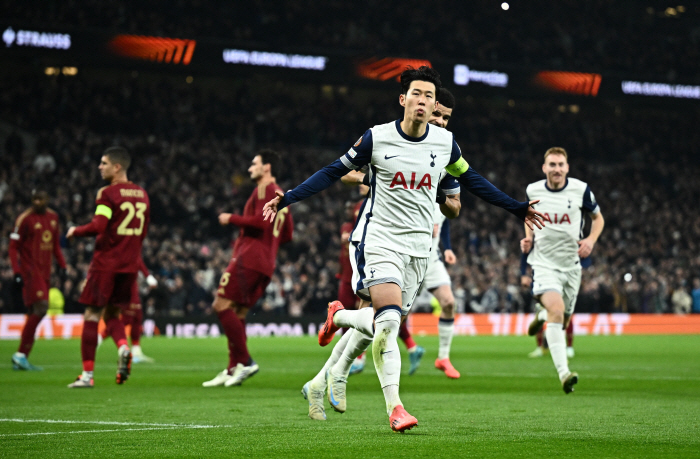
(270, 157)
(423, 73)
(446, 98)
(119, 155)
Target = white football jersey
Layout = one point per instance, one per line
(556, 245)
(404, 175)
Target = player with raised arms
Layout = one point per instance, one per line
(120, 225)
(555, 252)
(406, 161)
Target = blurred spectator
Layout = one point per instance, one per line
(696, 295)
(681, 301)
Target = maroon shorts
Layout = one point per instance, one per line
(346, 295)
(242, 286)
(35, 289)
(104, 288)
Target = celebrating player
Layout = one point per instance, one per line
(407, 160)
(32, 245)
(251, 267)
(120, 224)
(555, 252)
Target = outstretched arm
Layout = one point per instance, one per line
(482, 188)
(314, 184)
(98, 225)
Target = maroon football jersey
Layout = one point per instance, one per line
(36, 239)
(256, 249)
(118, 249)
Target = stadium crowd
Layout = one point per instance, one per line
(192, 145)
(655, 41)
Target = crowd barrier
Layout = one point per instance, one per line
(70, 325)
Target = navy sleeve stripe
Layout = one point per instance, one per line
(361, 153)
(589, 203)
(456, 152)
(445, 236)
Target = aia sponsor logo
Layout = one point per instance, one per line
(557, 219)
(414, 184)
(166, 50)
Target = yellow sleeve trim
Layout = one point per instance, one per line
(458, 168)
(104, 210)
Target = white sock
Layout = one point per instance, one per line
(358, 343)
(86, 375)
(320, 379)
(446, 328)
(385, 352)
(391, 395)
(542, 315)
(556, 338)
(361, 319)
(136, 349)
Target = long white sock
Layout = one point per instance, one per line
(446, 328)
(358, 319)
(358, 343)
(556, 338)
(385, 352)
(320, 379)
(391, 395)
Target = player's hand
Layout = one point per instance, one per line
(70, 232)
(585, 247)
(152, 281)
(224, 219)
(533, 218)
(450, 257)
(270, 208)
(525, 281)
(526, 244)
(19, 282)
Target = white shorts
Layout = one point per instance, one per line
(373, 266)
(437, 273)
(566, 283)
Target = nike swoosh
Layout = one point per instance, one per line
(330, 392)
(389, 157)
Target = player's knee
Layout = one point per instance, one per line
(555, 315)
(92, 314)
(241, 311)
(448, 309)
(40, 308)
(221, 304)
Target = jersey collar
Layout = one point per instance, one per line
(560, 189)
(408, 137)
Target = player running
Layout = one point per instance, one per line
(407, 159)
(33, 244)
(251, 267)
(555, 252)
(120, 224)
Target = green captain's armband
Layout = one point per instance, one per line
(104, 210)
(458, 168)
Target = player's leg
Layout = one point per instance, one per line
(315, 389)
(88, 346)
(118, 332)
(539, 350)
(36, 312)
(569, 319)
(233, 329)
(359, 364)
(245, 365)
(337, 377)
(446, 327)
(415, 352)
(35, 294)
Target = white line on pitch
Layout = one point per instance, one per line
(86, 431)
(112, 423)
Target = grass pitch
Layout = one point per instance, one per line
(638, 396)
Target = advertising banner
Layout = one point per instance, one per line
(71, 325)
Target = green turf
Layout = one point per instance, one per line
(637, 397)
